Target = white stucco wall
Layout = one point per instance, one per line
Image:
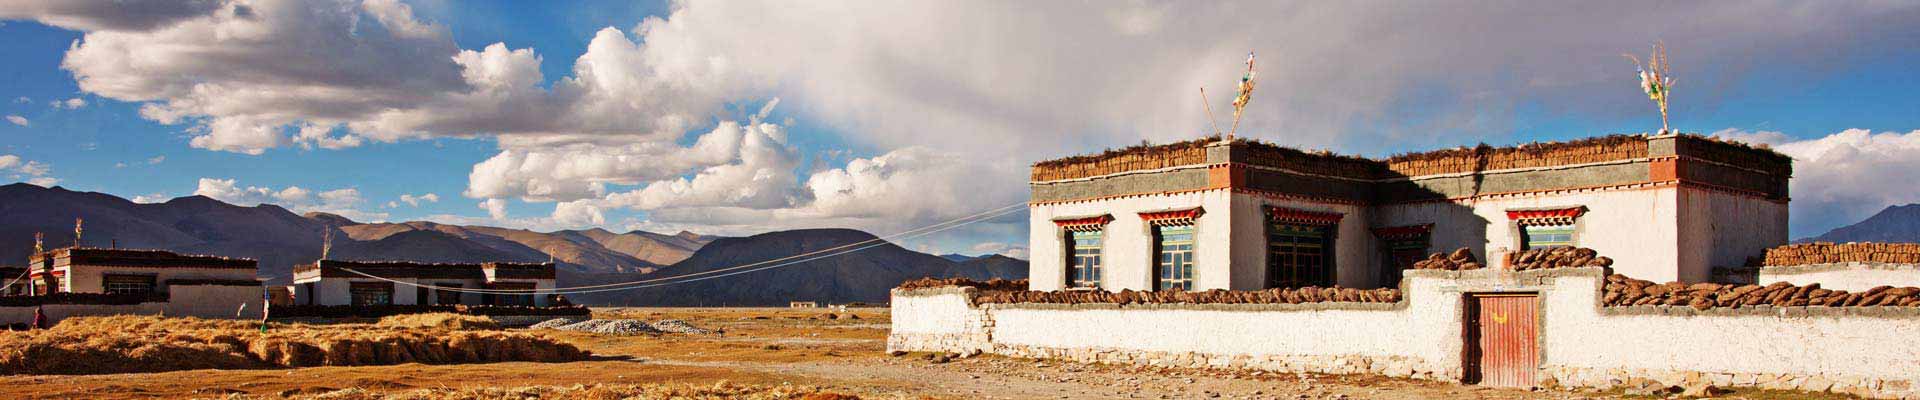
(90, 278)
(1635, 227)
(1861, 350)
(1721, 230)
(1853, 276)
(57, 312)
(1128, 242)
(337, 291)
(214, 301)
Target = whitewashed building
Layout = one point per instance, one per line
(1242, 215)
(112, 270)
(335, 283)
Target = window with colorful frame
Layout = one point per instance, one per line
(370, 293)
(1173, 268)
(1085, 253)
(1542, 236)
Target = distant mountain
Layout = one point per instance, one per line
(278, 238)
(956, 257)
(858, 276)
(1894, 224)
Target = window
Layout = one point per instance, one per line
(1174, 269)
(1297, 254)
(371, 293)
(446, 296)
(1402, 252)
(1546, 236)
(123, 283)
(1084, 260)
(513, 299)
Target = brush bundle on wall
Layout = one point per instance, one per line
(994, 284)
(1458, 260)
(1623, 291)
(1485, 158)
(1299, 295)
(1128, 159)
(1825, 253)
(1558, 257)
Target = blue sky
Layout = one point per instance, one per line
(888, 116)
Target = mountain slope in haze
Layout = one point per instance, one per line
(279, 239)
(859, 276)
(1894, 224)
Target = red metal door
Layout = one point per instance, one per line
(1501, 343)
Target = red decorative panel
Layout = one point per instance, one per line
(1088, 222)
(1302, 216)
(1502, 343)
(1557, 213)
(1663, 170)
(1174, 216)
(1402, 231)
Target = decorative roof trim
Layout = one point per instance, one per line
(1093, 223)
(1172, 217)
(1283, 214)
(1402, 232)
(1546, 216)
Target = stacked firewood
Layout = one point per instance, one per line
(1623, 291)
(1268, 296)
(1825, 252)
(1458, 260)
(1558, 257)
(994, 284)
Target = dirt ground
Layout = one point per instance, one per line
(766, 346)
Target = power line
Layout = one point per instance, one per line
(723, 272)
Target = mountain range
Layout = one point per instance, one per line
(280, 239)
(1893, 224)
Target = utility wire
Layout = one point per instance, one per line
(723, 272)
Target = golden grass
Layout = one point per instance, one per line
(447, 321)
(722, 390)
(121, 344)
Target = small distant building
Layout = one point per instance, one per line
(109, 270)
(335, 283)
(803, 304)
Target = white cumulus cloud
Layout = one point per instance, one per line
(1844, 177)
(19, 120)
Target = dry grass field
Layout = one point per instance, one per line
(763, 354)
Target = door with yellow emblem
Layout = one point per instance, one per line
(1502, 342)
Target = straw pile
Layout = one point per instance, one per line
(445, 321)
(122, 344)
(1298, 295)
(994, 284)
(1623, 291)
(1461, 259)
(1486, 158)
(722, 390)
(1825, 252)
(1134, 158)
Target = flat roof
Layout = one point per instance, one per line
(421, 270)
(140, 258)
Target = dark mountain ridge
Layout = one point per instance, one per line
(1894, 224)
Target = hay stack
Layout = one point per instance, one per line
(122, 344)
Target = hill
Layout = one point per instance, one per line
(859, 276)
(1894, 224)
(278, 238)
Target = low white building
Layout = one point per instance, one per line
(13, 281)
(335, 282)
(1243, 215)
(109, 270)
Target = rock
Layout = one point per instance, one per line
(1703, 390)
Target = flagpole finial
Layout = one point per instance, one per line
(1243, 95)
(1656, 80)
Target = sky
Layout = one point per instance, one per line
(741, 117)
